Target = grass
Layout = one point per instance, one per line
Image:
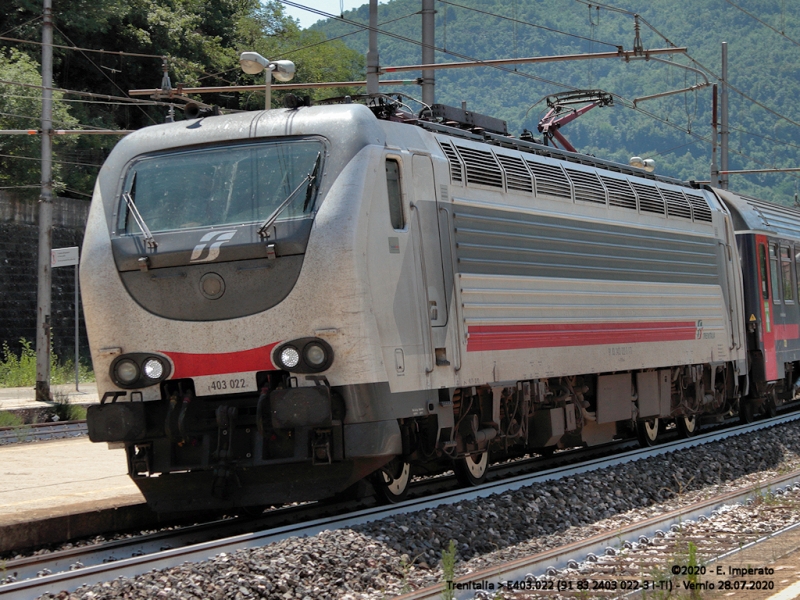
(66, 411)
(9, 419)
(20, 371)
(449, 570)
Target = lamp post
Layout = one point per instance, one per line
(253, 63)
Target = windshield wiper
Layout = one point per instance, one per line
(137, 216)
(311, 178)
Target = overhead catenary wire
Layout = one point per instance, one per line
(624, 11)
(752, 16)
(301, 48)
(691, 58)
(106, 102)
(366, 27)
(28, 22)
(66, 189)
(764, 137)
(519, 22)
(88, 94)
(103, 73)
(63, 162)
(88, 128)
(702, 66)
(96, 50)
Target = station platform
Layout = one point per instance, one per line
(23, 398)
(59, 489)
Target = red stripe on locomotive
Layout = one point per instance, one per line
(196, 365)
(514, 337)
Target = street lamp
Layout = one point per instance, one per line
(253, 63)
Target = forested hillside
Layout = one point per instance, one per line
(201, 40)
(675, 131)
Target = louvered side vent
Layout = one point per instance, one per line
(619, 192)
(700, 207)
(517, 175)
(550, 180)
(455, 163)
(649, 199)
(677, 205)
(481, 166)
(587, 186)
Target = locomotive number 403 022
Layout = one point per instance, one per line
(234, 383)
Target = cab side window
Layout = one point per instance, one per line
(395, 194)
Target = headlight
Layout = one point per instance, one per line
(139, 369)
(127, 371)
(304, 355)
(153, 368)
(315, 354)
(290, 357)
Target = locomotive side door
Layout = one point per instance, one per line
(425, 230)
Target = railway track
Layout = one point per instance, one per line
(42, 431)
(66, 571)
(607, 564)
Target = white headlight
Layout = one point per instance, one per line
(127, 371)
(290, 357)
(153, 368)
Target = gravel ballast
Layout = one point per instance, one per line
(402, 553)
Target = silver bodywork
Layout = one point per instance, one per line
(511, 267)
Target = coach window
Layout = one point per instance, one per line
(786, 271)
(762, 264)
(797, 269)
(773, 267)
(395, 195)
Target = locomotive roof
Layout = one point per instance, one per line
(752, 214)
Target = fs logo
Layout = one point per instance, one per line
(213, 250)
(699, 334)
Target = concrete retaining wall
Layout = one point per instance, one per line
(19, 242)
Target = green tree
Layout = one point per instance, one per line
(200, 40)
(21, 108)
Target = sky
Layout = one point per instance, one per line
(333, 7)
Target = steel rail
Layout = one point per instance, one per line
(137, 565)
(558, 558)
(109, 551)
(41, 431)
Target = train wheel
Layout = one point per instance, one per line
(648, 432)
(746, 411)
(687, 426)
(392, 485)
(471, 470)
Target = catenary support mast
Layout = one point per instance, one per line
(45, 213)
(373, 64)
(723, 134)
(428, 42)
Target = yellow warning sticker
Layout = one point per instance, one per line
(752, 317)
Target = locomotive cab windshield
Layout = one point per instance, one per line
(223, 227)
(218, 186)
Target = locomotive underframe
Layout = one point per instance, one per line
(290, 443)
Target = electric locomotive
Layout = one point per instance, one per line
(284, 304)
